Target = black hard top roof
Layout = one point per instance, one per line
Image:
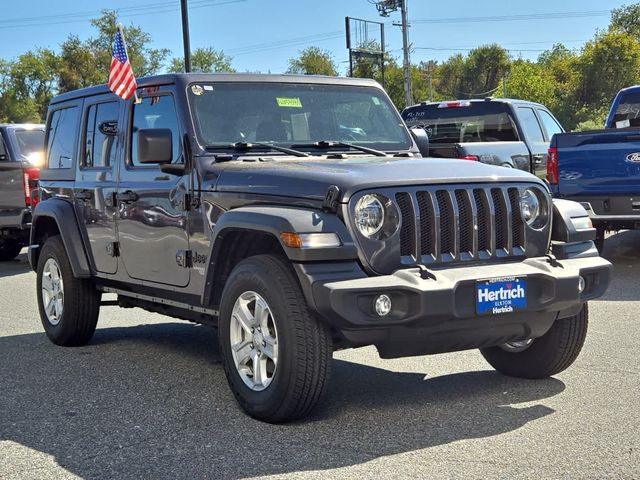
(184, 79)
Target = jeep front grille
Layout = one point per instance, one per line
(460, 224)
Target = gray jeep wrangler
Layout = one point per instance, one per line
(297, 215)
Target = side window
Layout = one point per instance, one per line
(530, 124)
(101, 136)
(549, 123)
(155, 112)
(61, 137)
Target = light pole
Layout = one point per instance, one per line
(185, 35)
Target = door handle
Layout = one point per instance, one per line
(127, 197)
(83, 195)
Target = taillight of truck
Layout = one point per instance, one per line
(552, 166)
(30, 178)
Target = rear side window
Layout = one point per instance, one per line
(61, 137)
(155, 112)
(469, 122)
(530, 124)
(101, 135)
(549, 123)
(628, 111)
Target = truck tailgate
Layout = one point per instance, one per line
(11, 188)
(599, 162)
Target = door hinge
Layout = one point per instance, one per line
(184, 258)
(331, 199)
(113, 249)
(186, 202)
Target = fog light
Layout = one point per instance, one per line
(383, 305)
(581, 284)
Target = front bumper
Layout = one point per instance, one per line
(438, 314)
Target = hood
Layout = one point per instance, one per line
(311, 177)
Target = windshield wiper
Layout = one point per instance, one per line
(250, 146)
(326, 144)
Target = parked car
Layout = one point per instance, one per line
(506, 132)
(295, 241)
(601, 168)
(21, 147)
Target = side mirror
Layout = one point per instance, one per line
(155, 145)
(422, 140)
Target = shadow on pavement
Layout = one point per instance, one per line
(15, 267)
(623, 250)
(153, 402)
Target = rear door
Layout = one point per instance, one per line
(95, 184)
(152, 217)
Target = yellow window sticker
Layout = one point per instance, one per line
(289, 102)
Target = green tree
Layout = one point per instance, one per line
(626, 19)
(531, 81)
(483, 69)
(313, 61)
(204, 60)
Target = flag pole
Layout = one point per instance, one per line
(136, 99)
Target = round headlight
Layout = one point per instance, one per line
(369, 216)
(529, 206)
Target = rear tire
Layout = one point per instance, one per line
(9, 250)
(296, 378)
(548, 355)
(69, 306)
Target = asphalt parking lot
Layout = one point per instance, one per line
(147, 398)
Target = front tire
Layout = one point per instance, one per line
(545, 356)
(275, 353)
(69, 306)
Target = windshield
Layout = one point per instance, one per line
(628, 111)
(29, 141)
(294, 114)
(471, 122)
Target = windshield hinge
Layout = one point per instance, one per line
(331, 199)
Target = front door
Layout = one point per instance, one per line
(535, 139)
(95, 179)
(152, 217)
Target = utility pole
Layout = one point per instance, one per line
(185, 35)
(405, 48)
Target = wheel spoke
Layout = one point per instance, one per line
(47, 283)
(243, 351)
(259, 369)
(50, 307)
(244, 316)
(270, 347)
(262, 314)
(58, 306)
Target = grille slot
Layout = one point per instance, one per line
(484, 220)
(408, 224)
(427, 224)
(517, 223)
(501, 221)
(447, 225)
(466, 221)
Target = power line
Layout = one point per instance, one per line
(124, 12)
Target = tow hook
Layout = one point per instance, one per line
(425, 274)
(553, 261)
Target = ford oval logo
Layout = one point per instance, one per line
(634, 157)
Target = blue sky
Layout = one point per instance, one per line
(262, 35)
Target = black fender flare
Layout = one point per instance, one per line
(62, 213)
(563, 229)
(273, 221)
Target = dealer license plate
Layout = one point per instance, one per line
(501, 295)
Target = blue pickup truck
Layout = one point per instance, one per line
(601, 168)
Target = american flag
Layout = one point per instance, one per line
(121, 79)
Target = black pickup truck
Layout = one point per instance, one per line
(505, 132)
(21, 148)
(296, 214)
